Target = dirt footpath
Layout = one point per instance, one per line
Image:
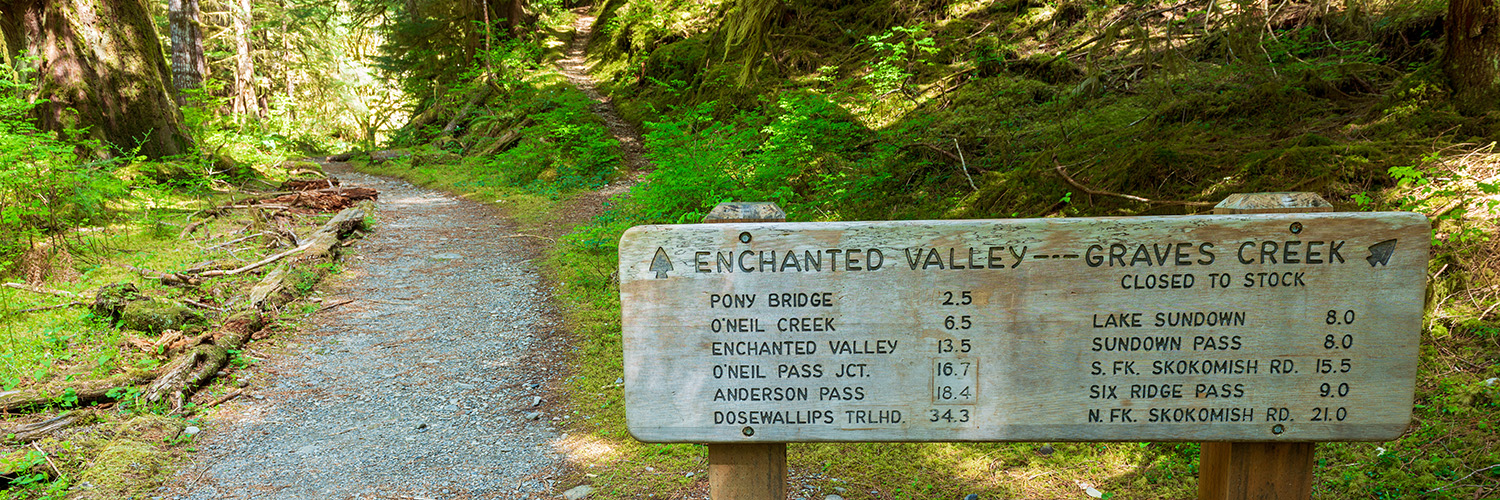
(430, 383)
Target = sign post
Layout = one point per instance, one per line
(746, 471)
(1281, 329)
(1249, 470)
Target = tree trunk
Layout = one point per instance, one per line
(188, 64)
(244, 68)
(101, 73)
(1472, 58)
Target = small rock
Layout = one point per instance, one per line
(533, 415)
(258, 396)
(536, 401)
(1091, 491)
(833, 497)
(446, 256)
(578, 492)
(1045, 450)
(971, 496)
(651, 469)
(422, 427)
(190, 430)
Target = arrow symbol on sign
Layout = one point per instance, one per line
(1380, 253)
(661, 263)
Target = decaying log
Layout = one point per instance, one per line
(87, 392)
(273, 283)
(308, 184)
(198, 366)
(507, 139)
(318, 246)
(474, 100)
(35, 431)
(322, 243)
(320, 199)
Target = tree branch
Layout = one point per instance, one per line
(1131, 197)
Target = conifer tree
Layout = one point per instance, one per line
(102, 72)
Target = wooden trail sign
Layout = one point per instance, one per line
(1288, 327)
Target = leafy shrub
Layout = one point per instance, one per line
(44, 187)
(565, 147)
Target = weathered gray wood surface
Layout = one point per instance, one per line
(1025, 330)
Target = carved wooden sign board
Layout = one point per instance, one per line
(1285, 327)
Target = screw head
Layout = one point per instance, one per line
(745, 238)
(1296, 227)
(1277, 429)
(748, 431)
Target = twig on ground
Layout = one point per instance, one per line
(201, 305)
(237, 240)
(54, 306)
(48, 457)
(41, 290)
(191, 227)
(965, 163)
(232, 394)
(262, 262)
(1455, 481)
(1064, 173)
(331, 306)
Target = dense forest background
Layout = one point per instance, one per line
(123, 122)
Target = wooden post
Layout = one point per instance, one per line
(752, 471)
(1259, 471)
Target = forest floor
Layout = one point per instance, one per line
(428, 375)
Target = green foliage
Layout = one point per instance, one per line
(900, 53)
(45, 187)
(563, 150)
(31, 462)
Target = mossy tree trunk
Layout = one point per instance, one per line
(1472, 58)
(188, 64)
(245, 101)
(101, 72)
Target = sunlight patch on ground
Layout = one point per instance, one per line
(407, 201)
(585, 449)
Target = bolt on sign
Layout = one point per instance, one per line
(1285, 327)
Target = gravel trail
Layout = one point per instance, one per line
(431, 383)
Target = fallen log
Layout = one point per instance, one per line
(322, 241)
(35, 431)
(320, 200)
(87, 392)
(275, 290)
(198, 366)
